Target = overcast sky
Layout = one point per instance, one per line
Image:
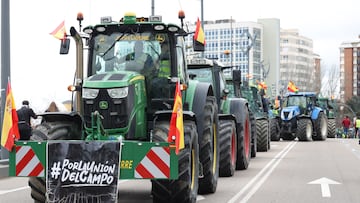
(40, 75)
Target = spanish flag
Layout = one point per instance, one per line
(199, 33)
(262, 85)
(292, 88)
(176, 129)
(10, 130)
(59, 32)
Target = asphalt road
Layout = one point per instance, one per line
(291, 172)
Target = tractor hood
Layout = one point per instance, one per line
(111, 80)
(287, 113)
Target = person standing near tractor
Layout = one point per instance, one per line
(346, 125)
(25, 113)
(357, 126)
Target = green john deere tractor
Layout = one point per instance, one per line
(123, 99)
(257, 107)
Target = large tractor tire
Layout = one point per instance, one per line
(262, 135)
(274, 129)
(209, 146)
(304, 129)
(243, 131)
(253, 135)
(185, 188)
(49, 131)
(331, 128)
(321, 127)
(228, 146)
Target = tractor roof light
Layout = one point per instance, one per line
(155, 18)
(88, 30)
(201, 61)
(106, 19)
(159, 27)
(129, 18)
(173, 28)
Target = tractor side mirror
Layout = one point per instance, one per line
(236, 76)
(64, 46)
(198, 46)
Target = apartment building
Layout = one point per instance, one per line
(264, 52)
(349, 70)
(297, 61)
(317, 73)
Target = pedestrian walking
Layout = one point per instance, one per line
(357, 127)
(25, 113)
(346, 125)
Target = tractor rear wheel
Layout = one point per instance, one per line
(228, 146)
(185, 188)
(331, 128)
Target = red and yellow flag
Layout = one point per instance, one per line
(292, 88)
(176, 129)
(60, 31)
(10, 130)
(262, 85)
(199, 33)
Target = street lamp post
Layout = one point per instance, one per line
(246, 49)
(5, 58)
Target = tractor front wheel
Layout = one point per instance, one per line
(185, 188)
(47, 131)
(228, 146)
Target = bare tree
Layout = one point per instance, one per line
(330, 79)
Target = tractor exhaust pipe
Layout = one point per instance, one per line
(79, 74)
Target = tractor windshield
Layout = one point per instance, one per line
(202, 74)
(140, 52)
(296, 101)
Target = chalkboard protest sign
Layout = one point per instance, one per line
(79, 171)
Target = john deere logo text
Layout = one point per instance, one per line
(103, 105)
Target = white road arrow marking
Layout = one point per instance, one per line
(324, 182)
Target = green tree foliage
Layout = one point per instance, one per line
(354, 103)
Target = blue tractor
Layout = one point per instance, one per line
(302, 118)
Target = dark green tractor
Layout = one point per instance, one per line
(259, 107)
(331, 111)
(234, 129)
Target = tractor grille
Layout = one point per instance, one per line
(116, 114)
(286, 114)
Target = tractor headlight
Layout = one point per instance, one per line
(90, 93)
(118, 93)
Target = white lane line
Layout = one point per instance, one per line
(267, 170)
(2, 192)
